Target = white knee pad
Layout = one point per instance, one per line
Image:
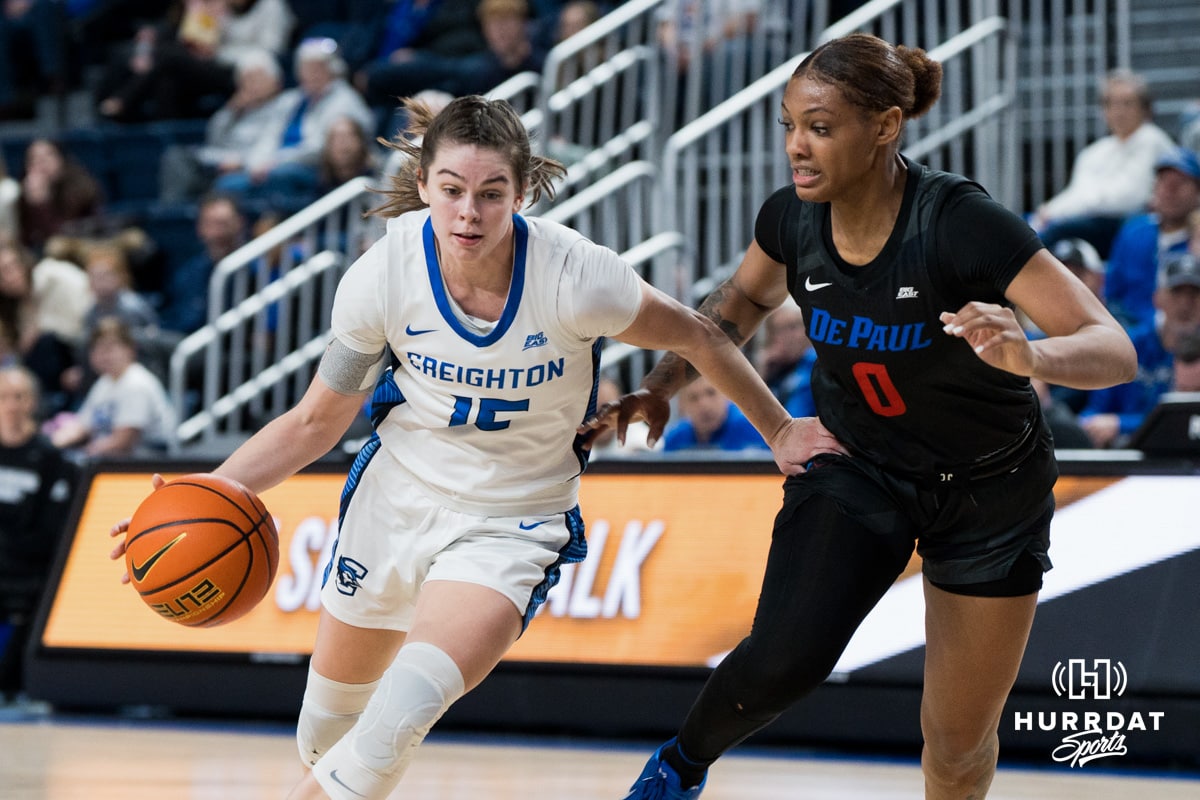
(413, 694)
(328, 710)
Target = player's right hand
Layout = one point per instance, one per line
(157, 482)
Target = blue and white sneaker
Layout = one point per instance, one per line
(660, 781)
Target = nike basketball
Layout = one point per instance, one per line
(202, 550)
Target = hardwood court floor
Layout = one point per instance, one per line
(51, 759)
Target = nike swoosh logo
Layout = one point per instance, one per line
(411, 331)
(339, 782)
(140, 571)
(812, 287)
(526, 527)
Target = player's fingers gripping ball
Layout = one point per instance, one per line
(202, 550)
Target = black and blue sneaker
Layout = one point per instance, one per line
(660, 781)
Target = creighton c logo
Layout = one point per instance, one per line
(1102, 681)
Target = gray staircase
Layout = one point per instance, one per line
(1165, 48)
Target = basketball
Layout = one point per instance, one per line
(202, 550)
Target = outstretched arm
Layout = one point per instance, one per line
(737, 307)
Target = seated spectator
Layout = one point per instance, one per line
(348, 153)
(62, 295)
(708, 420)
(1084, 262)
(787, 359)
(126, 412)
(406, 32)
(283, 169)
(605, 444)
(1145, 238)
(509, 50)
(168, 71)
(707, 47)
(10, 195)
(220, 229)
(35, 497)
(108, 275)
(1112, 414)
(58, 194)
(1113, 176)
(186, 172)
(49, 356)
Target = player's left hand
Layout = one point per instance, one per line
(639, 405)
(799, 440)
(994, 334)
(121, 528)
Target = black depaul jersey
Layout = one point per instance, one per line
(889, 382)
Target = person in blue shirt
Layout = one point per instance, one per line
(1144, 238)
(787, 358)
(1112, 414)
(708, 420)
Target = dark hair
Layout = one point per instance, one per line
(112, 328)
(472, 120)
(875, 75)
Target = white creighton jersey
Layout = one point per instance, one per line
(485, 420)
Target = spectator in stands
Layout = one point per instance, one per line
(1112, 414)
(348, 153)
(57, 193)
(1145, 238)
(49, 356)
(126, 411)
(62, 294)
(10, 196)
(1185, 372)
(706, 44)
(709, 421)
(405, 33)
(509, 49)
(36, 484)
(573, 17)
(1085, 263)
(283, 169)
(31, 55)
(1113, 176)
(187, 172)
(168, 74)
(107, 268)
(787, 359)
(220, 229)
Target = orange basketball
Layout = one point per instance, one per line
(202, 550)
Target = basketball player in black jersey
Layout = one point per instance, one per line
(927, 433)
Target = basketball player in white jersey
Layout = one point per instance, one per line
(480, 331)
